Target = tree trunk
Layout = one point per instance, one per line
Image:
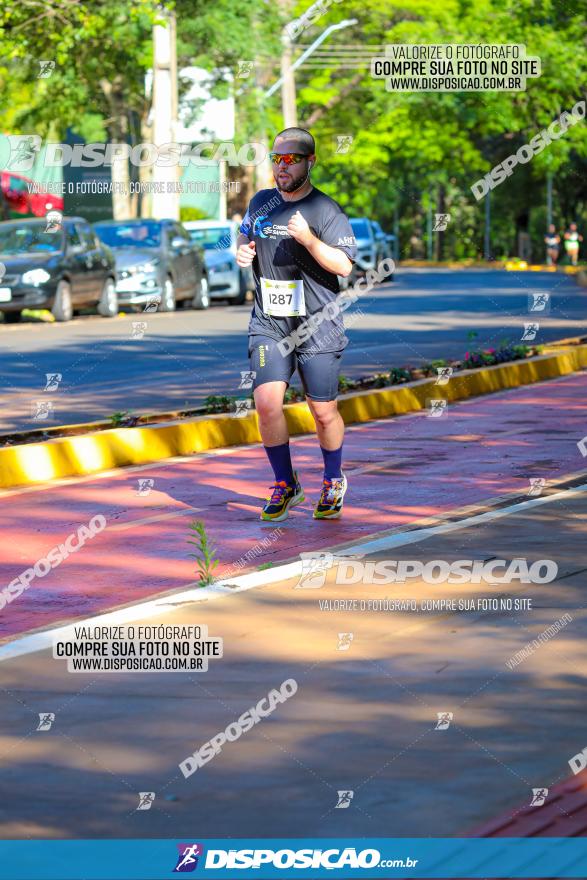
(440, 234)
(118, 132)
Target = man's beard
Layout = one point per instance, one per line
(293, 185)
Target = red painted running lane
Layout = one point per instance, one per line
(399, 470)
(563, 814)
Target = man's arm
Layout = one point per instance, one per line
(330, 258)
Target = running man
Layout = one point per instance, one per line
(552, 240)
(297, 240)
(572, 239)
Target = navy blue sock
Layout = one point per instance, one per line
(280, 460)
(332, 463)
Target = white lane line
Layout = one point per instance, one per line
(164, 604)
(130, 524)
(415, 536)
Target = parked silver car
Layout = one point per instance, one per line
(157, 264)
(218, 238)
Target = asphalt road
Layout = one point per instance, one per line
(364, 719)
(184, 357)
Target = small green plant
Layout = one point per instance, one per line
(380, 380)
(292, 395)
(118, 418)
(124, 419)
(346, 384)
(205, 559)
(265, 565)
(398, 375)
(216, 403)
(188, 213)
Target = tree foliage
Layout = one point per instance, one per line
(409, 150)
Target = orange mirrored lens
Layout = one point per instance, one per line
(288, 158)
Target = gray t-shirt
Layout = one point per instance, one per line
(281, 257)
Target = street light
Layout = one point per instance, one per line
(309, 50)
(287, 80)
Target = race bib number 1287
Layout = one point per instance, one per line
(283, 299)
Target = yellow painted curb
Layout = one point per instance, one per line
(449, 264)
(508, 265)
(522, 266)
(80, 455)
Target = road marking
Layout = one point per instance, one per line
(130, 524)
(164, 604)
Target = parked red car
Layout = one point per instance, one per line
(16, 191)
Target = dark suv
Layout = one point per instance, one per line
(157, 264)
(57, 264)
(372, 245)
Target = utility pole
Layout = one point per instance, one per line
(548, 199)
(288, 86)
(166, 203)
(548, 190)
(222, 196)
(429, 226)
(487, 247)
(288, 67)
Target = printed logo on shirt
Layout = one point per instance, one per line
(261, 225)
(347, 239)
(265, 229)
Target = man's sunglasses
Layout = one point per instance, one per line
(288, 158)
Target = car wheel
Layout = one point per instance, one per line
(241, 297)
(12, 317)
(168, 299)
(62, 307)
(202, 297)
(108, 305)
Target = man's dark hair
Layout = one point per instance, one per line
(303, 137)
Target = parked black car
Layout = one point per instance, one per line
(157, 264)
(59, 265)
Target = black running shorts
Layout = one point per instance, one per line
(319, 371)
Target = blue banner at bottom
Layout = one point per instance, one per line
(227, 859)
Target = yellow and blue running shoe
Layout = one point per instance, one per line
(330, 504)
(281, 499)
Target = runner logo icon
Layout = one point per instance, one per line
(46, 719)
(315, 565)
(187, 859)
(539, 795)
(344, 800)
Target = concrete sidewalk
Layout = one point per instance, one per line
(401, 471)
(363, 719)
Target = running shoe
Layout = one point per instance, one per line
(330, 504)
(281, 499)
